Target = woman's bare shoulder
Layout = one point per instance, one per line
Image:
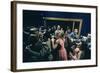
(58, 41)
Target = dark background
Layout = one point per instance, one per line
(35, 18)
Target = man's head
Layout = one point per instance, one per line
(58, 27)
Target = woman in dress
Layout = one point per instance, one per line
(62, 54)
(62, 50)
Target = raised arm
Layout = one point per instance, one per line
(54, 45)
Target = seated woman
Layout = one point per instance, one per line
(76, 52)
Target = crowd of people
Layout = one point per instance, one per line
(56, 44)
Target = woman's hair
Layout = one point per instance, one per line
(61, 34)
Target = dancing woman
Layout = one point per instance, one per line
(62, 54)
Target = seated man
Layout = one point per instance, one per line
(38, 51)
(74, 34)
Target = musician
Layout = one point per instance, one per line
(74, 34)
